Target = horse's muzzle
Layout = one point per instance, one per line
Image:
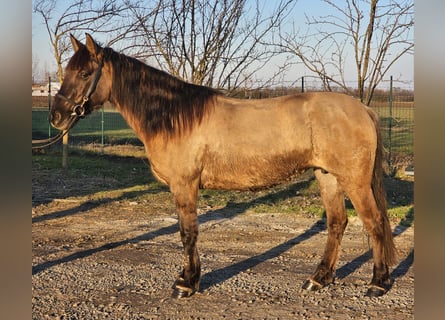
(55, 117)
(60, 122)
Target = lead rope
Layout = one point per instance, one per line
(47, 142)
(50, 141)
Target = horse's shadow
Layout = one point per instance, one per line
(217, 276)
(400, 270)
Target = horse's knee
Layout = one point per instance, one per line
(337, 225)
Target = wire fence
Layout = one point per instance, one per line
(107, 128)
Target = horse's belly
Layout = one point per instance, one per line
(252, 173)
(247, 183)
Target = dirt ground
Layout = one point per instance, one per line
(116, 258)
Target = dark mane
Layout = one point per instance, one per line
(154, 100)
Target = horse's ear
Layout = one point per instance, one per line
(76, 43)
(92, 46)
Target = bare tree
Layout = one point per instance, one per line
(78, 16)
(377, 32)
(35, 69)
(216, 43)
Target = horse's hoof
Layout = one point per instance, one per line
(375, 291)
(311, 285)
(179, 293)
(180, 290)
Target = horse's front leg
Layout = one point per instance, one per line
(187, 282)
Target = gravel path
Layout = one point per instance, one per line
(118, 261)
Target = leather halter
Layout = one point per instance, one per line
(78, 111)
(79, 108)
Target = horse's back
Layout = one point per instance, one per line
(256, 143)
(291, 123)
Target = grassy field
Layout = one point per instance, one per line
(89, 130)
(400, 122)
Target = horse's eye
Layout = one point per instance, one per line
(84, 74)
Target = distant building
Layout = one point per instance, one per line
(43, 90)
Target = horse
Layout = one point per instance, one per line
(197, 137)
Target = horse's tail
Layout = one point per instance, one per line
(378, 189)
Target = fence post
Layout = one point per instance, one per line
(302, 84)
(390, 124)
(49, 106)
(102, 129)
(65, 150)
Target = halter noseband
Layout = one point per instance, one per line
(79, 108)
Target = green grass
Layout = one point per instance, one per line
(89, 129)
(124, 170)
(404, 214)
(400, 122)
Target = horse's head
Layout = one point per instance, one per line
(85, 87)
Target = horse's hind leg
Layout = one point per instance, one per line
(378, 227)
(334, 203)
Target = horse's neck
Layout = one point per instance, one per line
(123, 105)
(155, 103)
(134, 123)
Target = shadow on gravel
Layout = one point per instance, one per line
(86, 206)
(231, 210)
(49, 181)
(220, 275)
(403, 266)
(85, 253)
(400, 270)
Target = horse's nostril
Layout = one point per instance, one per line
(56, 117)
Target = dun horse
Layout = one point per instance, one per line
(195, 137)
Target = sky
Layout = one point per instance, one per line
(403, 69)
